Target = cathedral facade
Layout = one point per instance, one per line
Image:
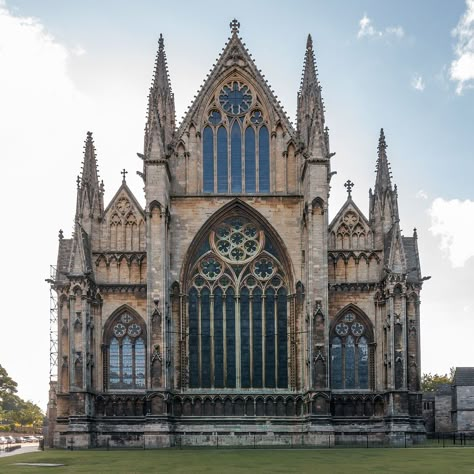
(225, 304)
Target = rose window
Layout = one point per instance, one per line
(211, 268)
(134, 330)
(235, 98)
(237, 241)
(126, 318)
(264, 268)
(357, 329)
(342, 329)
(119, 330)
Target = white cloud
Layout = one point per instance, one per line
(418, 83)
(421, 194)
(453, 222)
(462, 67)
(366, 28)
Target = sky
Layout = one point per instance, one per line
(70, 67)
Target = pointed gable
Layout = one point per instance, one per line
(124, 223)
(350, 229)
(235, 64)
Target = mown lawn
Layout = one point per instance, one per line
(226, 461)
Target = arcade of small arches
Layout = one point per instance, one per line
(347, 405)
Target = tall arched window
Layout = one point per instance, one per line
(236, 143)
(238, 310)
(125, 349)
(351, 352)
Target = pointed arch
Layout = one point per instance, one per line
(237, 274)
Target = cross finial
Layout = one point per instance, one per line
(124, 172)
(349, 185)
(234, 26)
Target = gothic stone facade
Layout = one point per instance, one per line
(226, 303)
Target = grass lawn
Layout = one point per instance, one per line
(226, 461)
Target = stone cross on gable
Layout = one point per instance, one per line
(234, 26)
(349, 185)
(124, 172)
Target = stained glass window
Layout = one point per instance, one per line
(222, 183)
(236, 158)
(246, 284)
(263, 160)
(250, 171)
(350, 353)
(208, 160)
(238, 162)
(126, 353)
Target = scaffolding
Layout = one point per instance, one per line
(53, 326)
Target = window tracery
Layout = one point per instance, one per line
(236, 143)
(125, 350)
(351, 353)
(237, 310)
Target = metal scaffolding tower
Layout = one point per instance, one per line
(53, 326)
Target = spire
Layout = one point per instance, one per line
(160, 125)
(384, 200)
(89, 191)
(310, 113)
(90, 174)
(383, 180)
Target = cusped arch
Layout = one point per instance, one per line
(352, 308)
(238, 208)
(117, 314)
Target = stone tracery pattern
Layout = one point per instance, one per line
(237, 303)
(236, 142)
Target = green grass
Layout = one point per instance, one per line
(227, 461)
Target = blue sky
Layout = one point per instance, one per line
(69, 67)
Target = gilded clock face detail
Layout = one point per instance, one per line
(123, 205)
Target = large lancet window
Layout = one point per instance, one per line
(236, 143)
(238, 310)
(351, 353)
(125, 349)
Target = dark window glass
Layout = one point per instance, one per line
(218, 340)
(363, 367)
(114, 363)
(264, 160)
(350, 363)
(257, 380)
(236, 158)
(193, 339)
(205, 339)
(336, 363)
(282, 340)
(222, 184)
(244, 338)
(127, 362)
(230, 337)
(208, 160)
(270, 338)
(139, 363)
(250, 181)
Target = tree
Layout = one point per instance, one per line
(430, 383)
(7, 384)
(14, 409)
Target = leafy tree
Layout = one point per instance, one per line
(430, 383)
(7, 384)
(13, 409)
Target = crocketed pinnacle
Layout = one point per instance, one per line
(89, 175)
(383, 180)
(161, 79)
(310, 75)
